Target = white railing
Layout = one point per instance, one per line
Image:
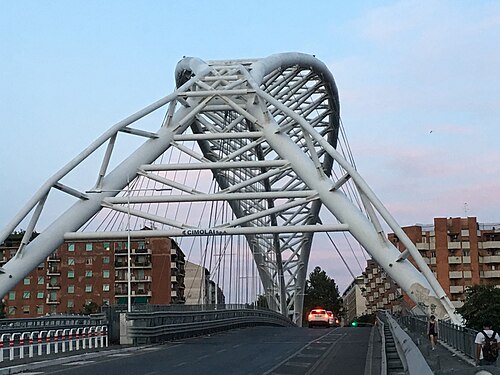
(19, 344)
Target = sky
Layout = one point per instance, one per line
(418, 84)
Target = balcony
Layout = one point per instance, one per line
(433, 260)
(490, 259)
(135, 293)
(134, 279)
(142, 251)
(145, 264)
(173, 279)
(455, 274)
(51, 301)
(456, 289)
(466, 259)
(454, 245)
(53, 258)
(422, 246)
(52, 286)
(455, 260)
(490, 244)
(53, 271)
(490, 274)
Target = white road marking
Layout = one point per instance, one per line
(78, 363)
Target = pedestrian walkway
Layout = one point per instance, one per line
(445, 360)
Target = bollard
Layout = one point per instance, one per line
(56, 341)
(96, 338)
(1, 350)
(39, 342)
(78, 338)
(30, 351)
(11, 346)
(71, 339)
(47, 340)
(63, 341)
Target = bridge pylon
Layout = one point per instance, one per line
(263, 135)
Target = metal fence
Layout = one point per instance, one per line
(458, 337)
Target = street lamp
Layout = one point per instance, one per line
(129, 253)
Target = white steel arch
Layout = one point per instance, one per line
(267, 132)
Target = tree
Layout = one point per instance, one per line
(321, 291)
(481, 305)
(90, 308)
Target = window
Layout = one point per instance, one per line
(39, 309)
(88, 273)
(118, 245)
(71, 261)
(141, 245)
(26, 309)
(41, 266)
(41, 280)
(88, 261)
(105, 302)
(12, 295)
(26, 281)
(105, 274)
(88, 246)
(71, 289)
(88, 288)
(26, 294)
(53, 296)
(39, 295)
(105, 260)
(105, 287)
(71, 303)
(466, 252)
(12, 310)
(71, 274)
(106, 246)
(71, 247)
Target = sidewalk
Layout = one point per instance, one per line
(445, 360)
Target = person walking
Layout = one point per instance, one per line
(487, 342)
(433, 331)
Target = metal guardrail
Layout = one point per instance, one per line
(45, 342)
(151, 327)
(51, 322)
(458, 337)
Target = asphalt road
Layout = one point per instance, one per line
(258, 351)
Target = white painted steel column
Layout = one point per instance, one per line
(341, 207)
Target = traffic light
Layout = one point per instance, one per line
(354, 323)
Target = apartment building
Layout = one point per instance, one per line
(353, 300)
(200, 290)
(380, 292)
(460, 252)
(80, 273)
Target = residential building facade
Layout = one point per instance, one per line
(353, 300)
(80, 273)
(200, 290)
(460, 252)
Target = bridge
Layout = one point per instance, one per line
(247, 149)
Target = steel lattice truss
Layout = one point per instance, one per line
(266, 132)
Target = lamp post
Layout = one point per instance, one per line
(129, 252)
(129, 256)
